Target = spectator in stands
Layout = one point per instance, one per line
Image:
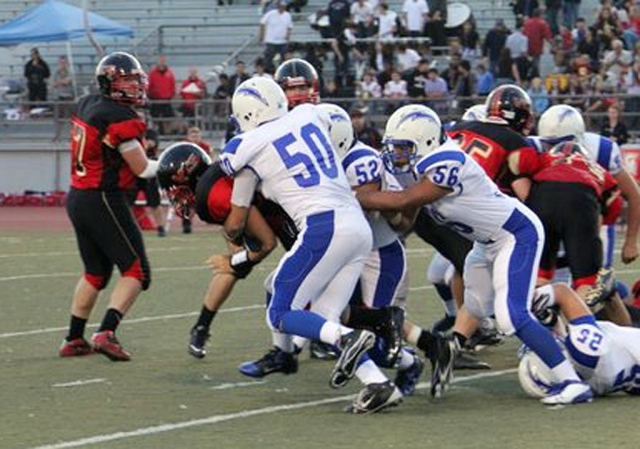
(484, 80)
(339, 11)
(162, 89)
(579, 31)
(436, 91)
(239, 77)
(368, 87)
(576, 89)
(407, 58)
(617, 62)
(633, 89)
(63, 92)
(436, 30)
(361, 14)
(469, 40)
(416, 79)
(275, 32)
(590, 47)
(539, 96)
(517, 42)
(607, 27)
(465, 87)
(259, 70)
(36, 71)
(396, 88)
(364, 130)
(414, 13)
(525, 70)
(296, 5)
(613, 127)
(452, 72)
(552, 10)
(524, 8)
(632, 32)
(192, 89)
(537, 31)
(493, 44)
(507, 70)
(387, 25)
(570, 12)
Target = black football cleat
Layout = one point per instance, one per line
(464, 361)
(198, 340)
(392, 331)
(375, 397)
(322, 351)
(353, 345)
(442, 365)
(274, 361)
(443, 325)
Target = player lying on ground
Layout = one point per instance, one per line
(605, 355)
(107, 155)
(501, 268)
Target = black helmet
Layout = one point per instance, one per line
(298, 73)
(511, 104)
(569, 148)
(179, 169)
(121, 77)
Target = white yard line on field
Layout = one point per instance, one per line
(215, 419)
(71, 253)
(77, 273)
(146, 319)
(231, 385)
(77, 383)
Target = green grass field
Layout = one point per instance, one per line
(164, 398)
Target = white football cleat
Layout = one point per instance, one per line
(569, 392)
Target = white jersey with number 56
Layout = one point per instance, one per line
(475, 208)
(295, 163)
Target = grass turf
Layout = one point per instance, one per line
(164, 385)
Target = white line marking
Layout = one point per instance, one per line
(76, 383)
(153, 430)
(77, 273)
(71, 253)
(231, 385)
(145, 319)
(420, 288)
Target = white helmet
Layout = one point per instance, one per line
(536, 378)
(257, 101)
(560, 123)
(475, 113)
(412, 132)
(341, 131)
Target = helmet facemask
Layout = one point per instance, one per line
(399, 156)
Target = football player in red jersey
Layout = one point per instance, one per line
(107, 155)
(572, 196)
(300, 82)
(492, 140)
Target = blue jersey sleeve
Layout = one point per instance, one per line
(442, 168)
(235, 156)
(362, 166)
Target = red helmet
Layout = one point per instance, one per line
(121, 78)
(511, 104)
(294, 74)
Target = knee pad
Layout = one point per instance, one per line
(139, 270)
(98, 281)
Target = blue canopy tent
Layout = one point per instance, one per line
(55, 20)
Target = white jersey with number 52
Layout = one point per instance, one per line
(475, 208)
(295, 162)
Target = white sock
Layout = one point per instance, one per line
(414, 335)
(565, 371)
(406, 360)
(331, 332)
(300, 342)
(283, 341)
(369, 373)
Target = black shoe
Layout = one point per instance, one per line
(444, 324)
(322, 351)
(199, 337)
(442, 365)
(375, 397)
(186, 227)
(274, 361)
(487, 335)
(464, 361)
(391, 331)
(161, 231)
(353, 346)
(407, 379)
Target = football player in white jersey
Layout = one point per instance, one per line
(562, 123)
(607, 356)
(501, 268)
(290, 155)
(384, 280)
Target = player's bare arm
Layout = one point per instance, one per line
(419, 194)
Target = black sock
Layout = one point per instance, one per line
(427, 343)
(206, 317)
(461, 340)
(365, 318)
(111, 320)
(76, 328)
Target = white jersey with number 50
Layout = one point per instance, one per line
(475, 208)
(295, 162)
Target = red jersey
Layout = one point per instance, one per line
(98, 127)
(490, 145)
